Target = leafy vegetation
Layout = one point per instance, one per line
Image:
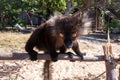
(115, 23)
(10, 9)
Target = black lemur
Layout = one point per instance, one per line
(58, 33)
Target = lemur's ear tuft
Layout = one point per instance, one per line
(77, 15)
(86, 23)
(86, 20)
(54, 18)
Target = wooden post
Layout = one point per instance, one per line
(110, 63)
(47, 71)
(96, 20)
(109, 60)
(119, 73)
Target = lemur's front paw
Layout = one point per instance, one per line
(54, 57)
(33, 56)
(71, 56)
(81, 56)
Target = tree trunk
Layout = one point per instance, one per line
(69, 5)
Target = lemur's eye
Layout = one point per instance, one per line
(74, 35)
(61, 34)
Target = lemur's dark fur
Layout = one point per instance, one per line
(57, 33)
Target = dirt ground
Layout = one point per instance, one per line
(91, 44)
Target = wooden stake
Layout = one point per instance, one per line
(110, 62)
(47, 71)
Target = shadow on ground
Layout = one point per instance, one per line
(101, 37)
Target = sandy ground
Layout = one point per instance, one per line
(61, 70)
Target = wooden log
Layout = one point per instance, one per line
(43, 56)
(47, 72)
(111, 71)
(109, 63)
(119, 73)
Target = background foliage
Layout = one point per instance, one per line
(10, 9)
